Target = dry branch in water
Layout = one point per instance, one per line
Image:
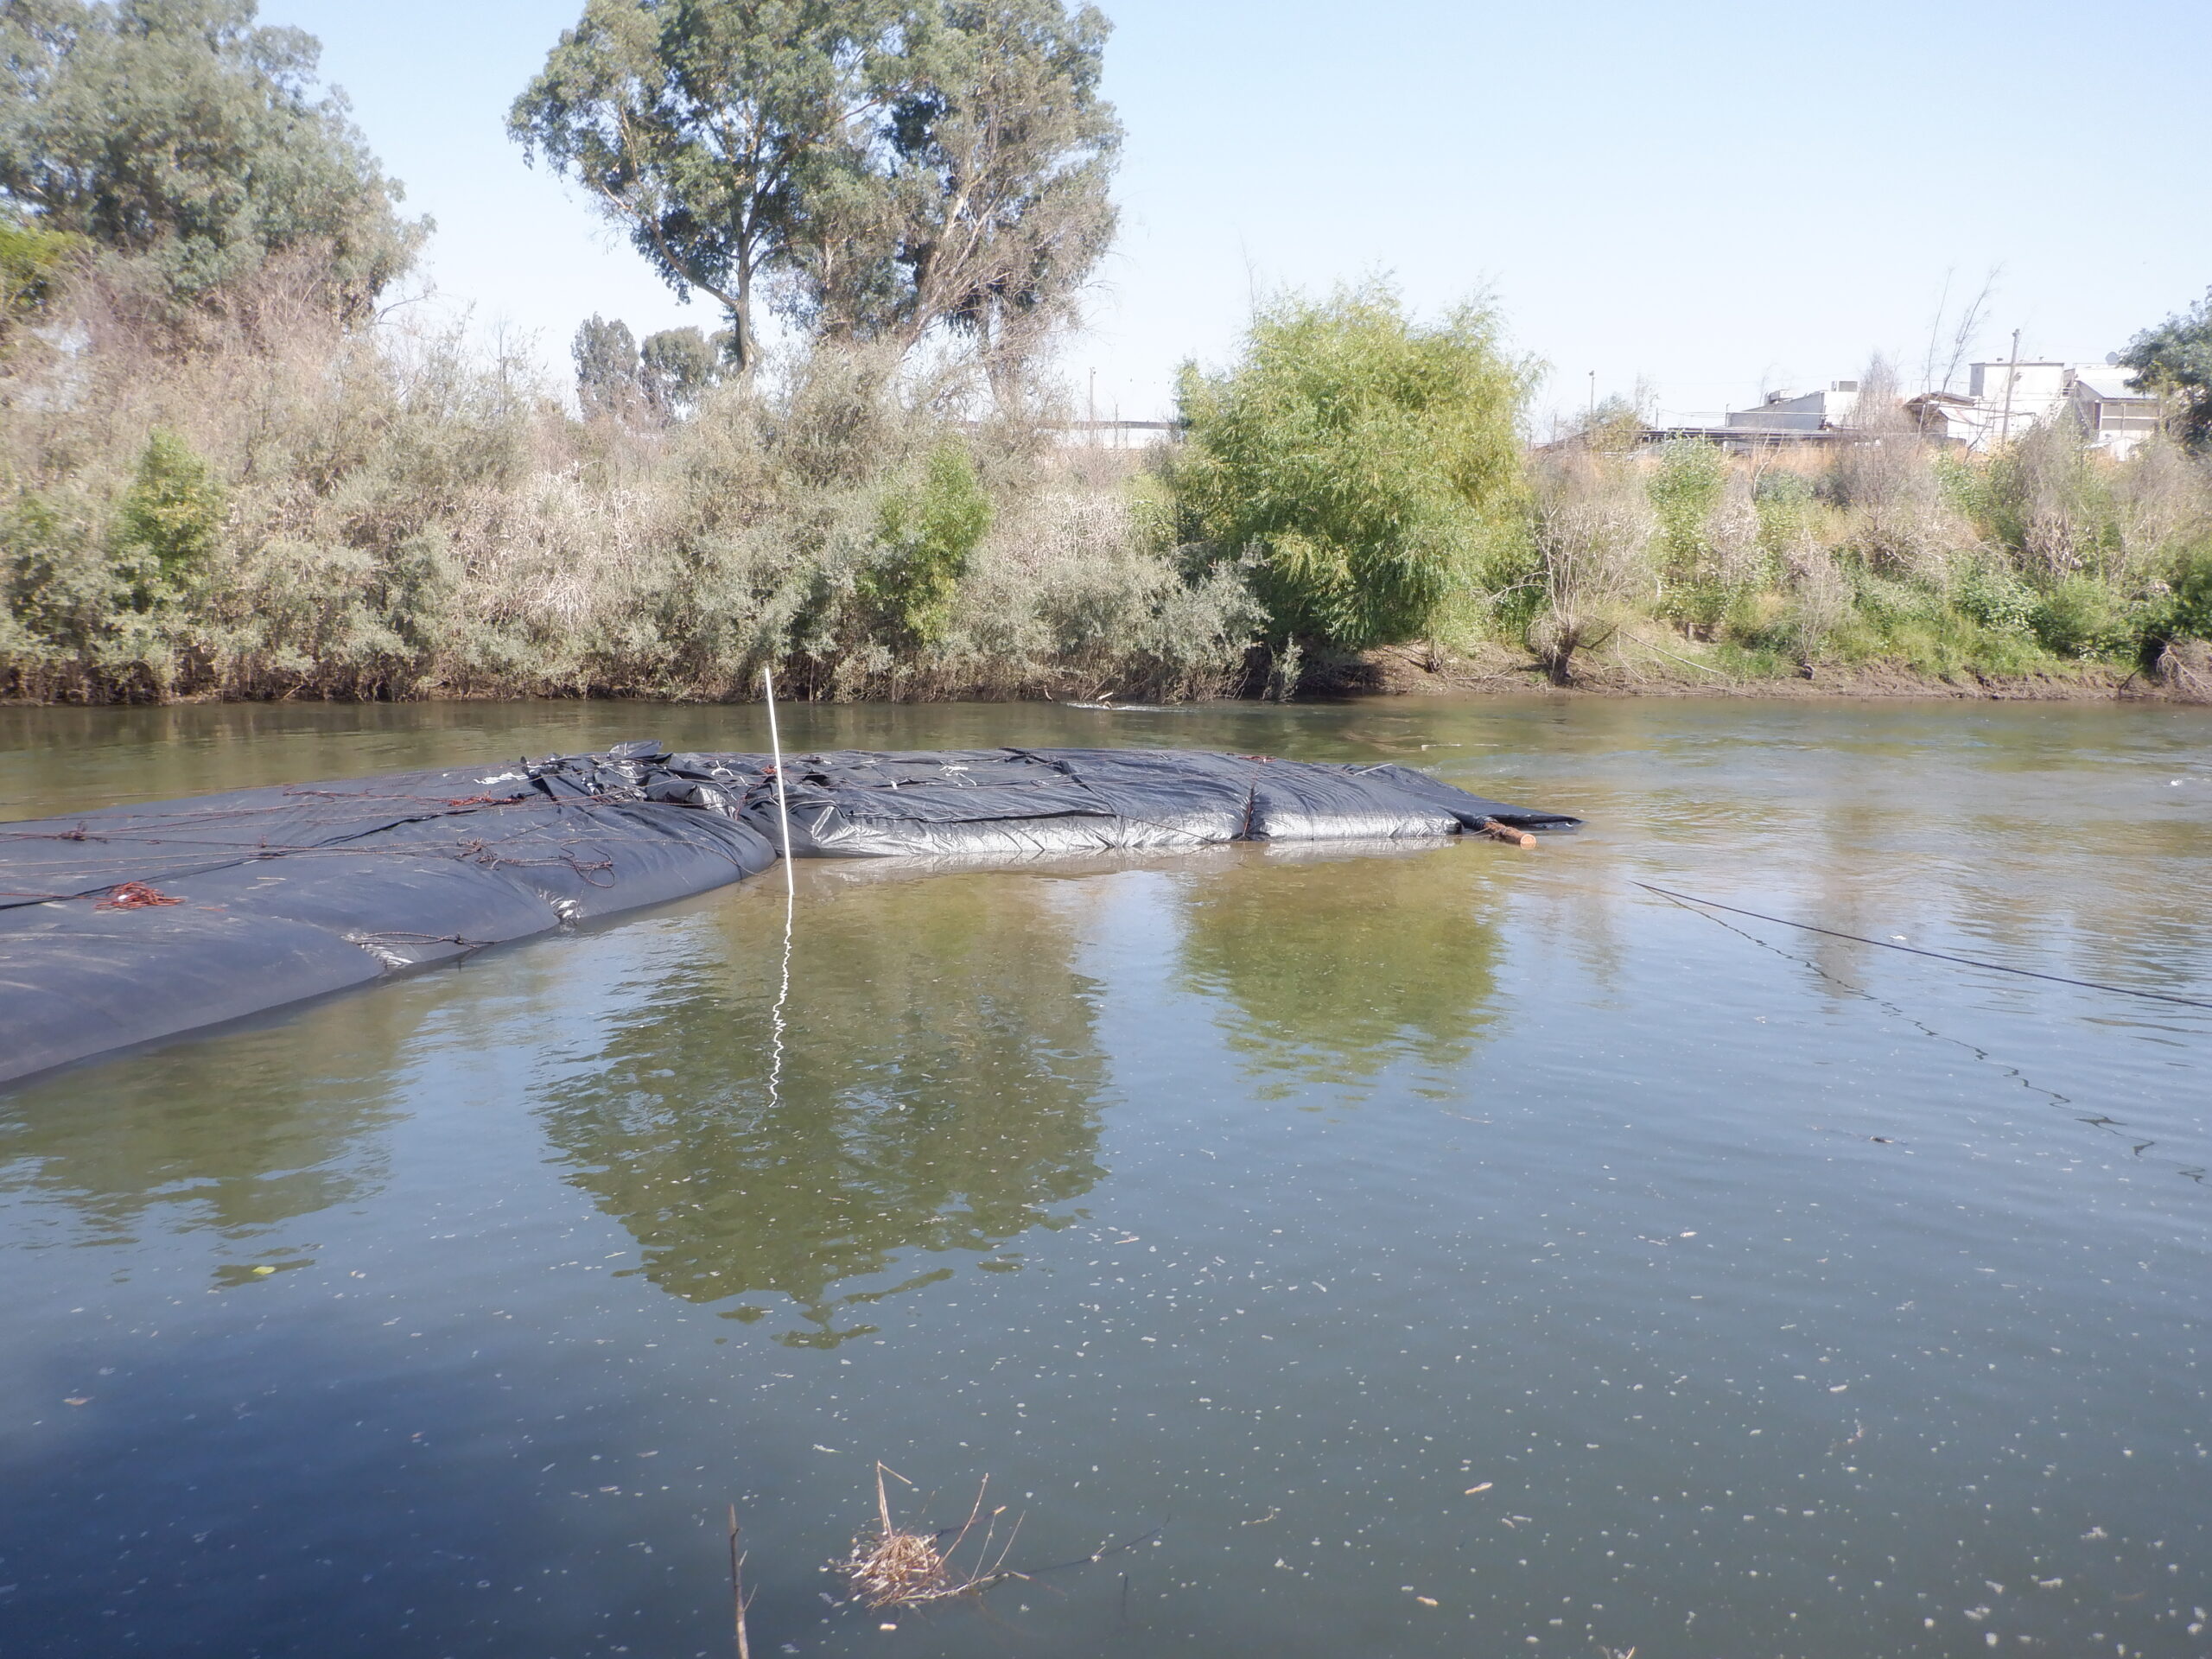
(890, 1566)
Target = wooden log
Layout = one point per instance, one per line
(1506, 833)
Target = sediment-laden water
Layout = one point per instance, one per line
(1448, 1251)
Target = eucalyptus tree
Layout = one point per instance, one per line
(980, 205)
(693, 122)
(874, 170)
(606, 356)
(182, 135)
(678, 366)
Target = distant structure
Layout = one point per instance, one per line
(2115, 415)
(1782, 413)
(2003, 400)
(1786, 417)
(1117, 435)
(2006, 399)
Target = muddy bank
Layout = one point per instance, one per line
(1412, 671)
(1647, 670)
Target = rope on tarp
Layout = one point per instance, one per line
(1916, 950)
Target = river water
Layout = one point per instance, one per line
(1451, 1250)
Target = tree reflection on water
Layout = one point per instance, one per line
(237, 1135)
(1332, 964)
(939, 1092)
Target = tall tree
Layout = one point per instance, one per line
(179, 132)
(876, 170)
(691, 122)
(997, 157)
(606, 355)
(678, 366)
(2175, 359)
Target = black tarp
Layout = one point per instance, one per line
(126, 924)
(1000, 802)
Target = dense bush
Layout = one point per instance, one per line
(172, 514)
(309, 509)
(2081, 617)
(2184, 613)
(2043, 557)
(926, 537)
(1687, 484)
(1365, 466)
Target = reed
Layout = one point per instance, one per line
(892, 1566)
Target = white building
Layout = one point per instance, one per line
(2114, 415)
(2005, 400)
(2018, 396)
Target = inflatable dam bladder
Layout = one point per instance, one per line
(128, 924)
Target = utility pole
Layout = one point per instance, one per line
(2012, 377)
(1594, 397)
(1092, 436)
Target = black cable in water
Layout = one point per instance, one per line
(1940, 955)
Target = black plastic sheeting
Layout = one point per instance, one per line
(132, 923)
(1003, 802)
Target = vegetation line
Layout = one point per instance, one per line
(1916, 950)
(233, 464)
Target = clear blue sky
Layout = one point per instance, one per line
(1715, 199)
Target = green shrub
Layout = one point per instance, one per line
(1989, 593)
(73, 630)
(927, 536)
(1685, 488)
(1365, 466)
(2183, 611)
(30, 260)
(2079, 617)
(1963, 487)
(171, 516)
(2190, 610)
(59, 590)
(1788, 508)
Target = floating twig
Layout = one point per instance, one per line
(737, 1586)
(892, 1566)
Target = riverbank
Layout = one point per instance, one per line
(1398, 671)
(1412, 673)
(387, 516)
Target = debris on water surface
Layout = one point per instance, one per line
(893, 1567)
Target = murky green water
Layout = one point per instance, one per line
(1774, 1295)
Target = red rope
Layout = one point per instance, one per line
(134, 895)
